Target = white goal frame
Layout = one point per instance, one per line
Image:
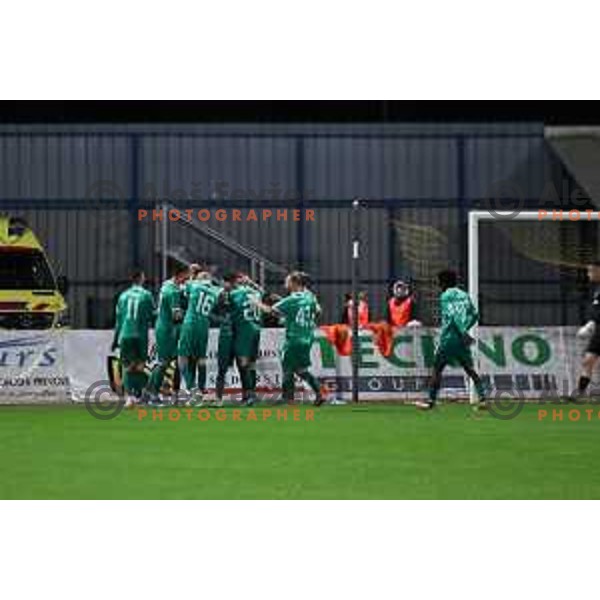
(475, 217)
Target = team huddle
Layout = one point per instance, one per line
(190, 303)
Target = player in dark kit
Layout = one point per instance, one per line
(591, 332)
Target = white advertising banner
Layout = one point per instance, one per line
(523, 361)
(58, 366)
(33, 367)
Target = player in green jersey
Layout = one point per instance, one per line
(225, 353)
(458, 316)
(134, 316)
(202, 298)
(300, 309)
(244, 298)
(167, 328)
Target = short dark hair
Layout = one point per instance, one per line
(594, 263)
(299, 278)
(233, 278)
(230, 276)
(180, 268)
(136, 275)
(447, 278)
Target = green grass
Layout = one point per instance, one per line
(347, 452)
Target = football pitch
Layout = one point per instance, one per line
(348, 452)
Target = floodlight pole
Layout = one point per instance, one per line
(355, 299)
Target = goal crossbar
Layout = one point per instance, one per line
(475, 217)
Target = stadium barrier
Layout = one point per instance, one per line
(60, 365)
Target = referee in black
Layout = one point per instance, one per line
(590, 330)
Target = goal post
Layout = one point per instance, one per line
(475, 218)
(571, 253)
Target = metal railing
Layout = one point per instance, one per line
(258, 264)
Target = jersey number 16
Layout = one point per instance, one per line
(205, 304)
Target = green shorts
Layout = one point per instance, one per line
(167, 339)
(133, 350)
(453, 352)
(295, 356)
(193, 341)
(246, 341)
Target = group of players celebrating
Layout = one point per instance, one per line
(192, 300)
(188, 304)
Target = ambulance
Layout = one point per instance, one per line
(31, 297)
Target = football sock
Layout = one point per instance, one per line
(127, 381)
(479, 387)
(248, 377)
(220, 383)
(312, 381)
(252, 377)
(582, 384)
(432, 394)
(142, 382)
(134, 382)
(188, 371)
(244, 377)
(201, 375)
(157, 376)
(288, 386)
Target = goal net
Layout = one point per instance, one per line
(527, 270)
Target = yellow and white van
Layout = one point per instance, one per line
(31, 297)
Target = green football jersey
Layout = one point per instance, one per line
(458, 313)
(169, 301)
(202, 298)
(225, 323)
(300, 310)
(135, 313)
(243, 307)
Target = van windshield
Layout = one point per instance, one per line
(24, 269)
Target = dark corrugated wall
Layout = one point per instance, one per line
(80, 186)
